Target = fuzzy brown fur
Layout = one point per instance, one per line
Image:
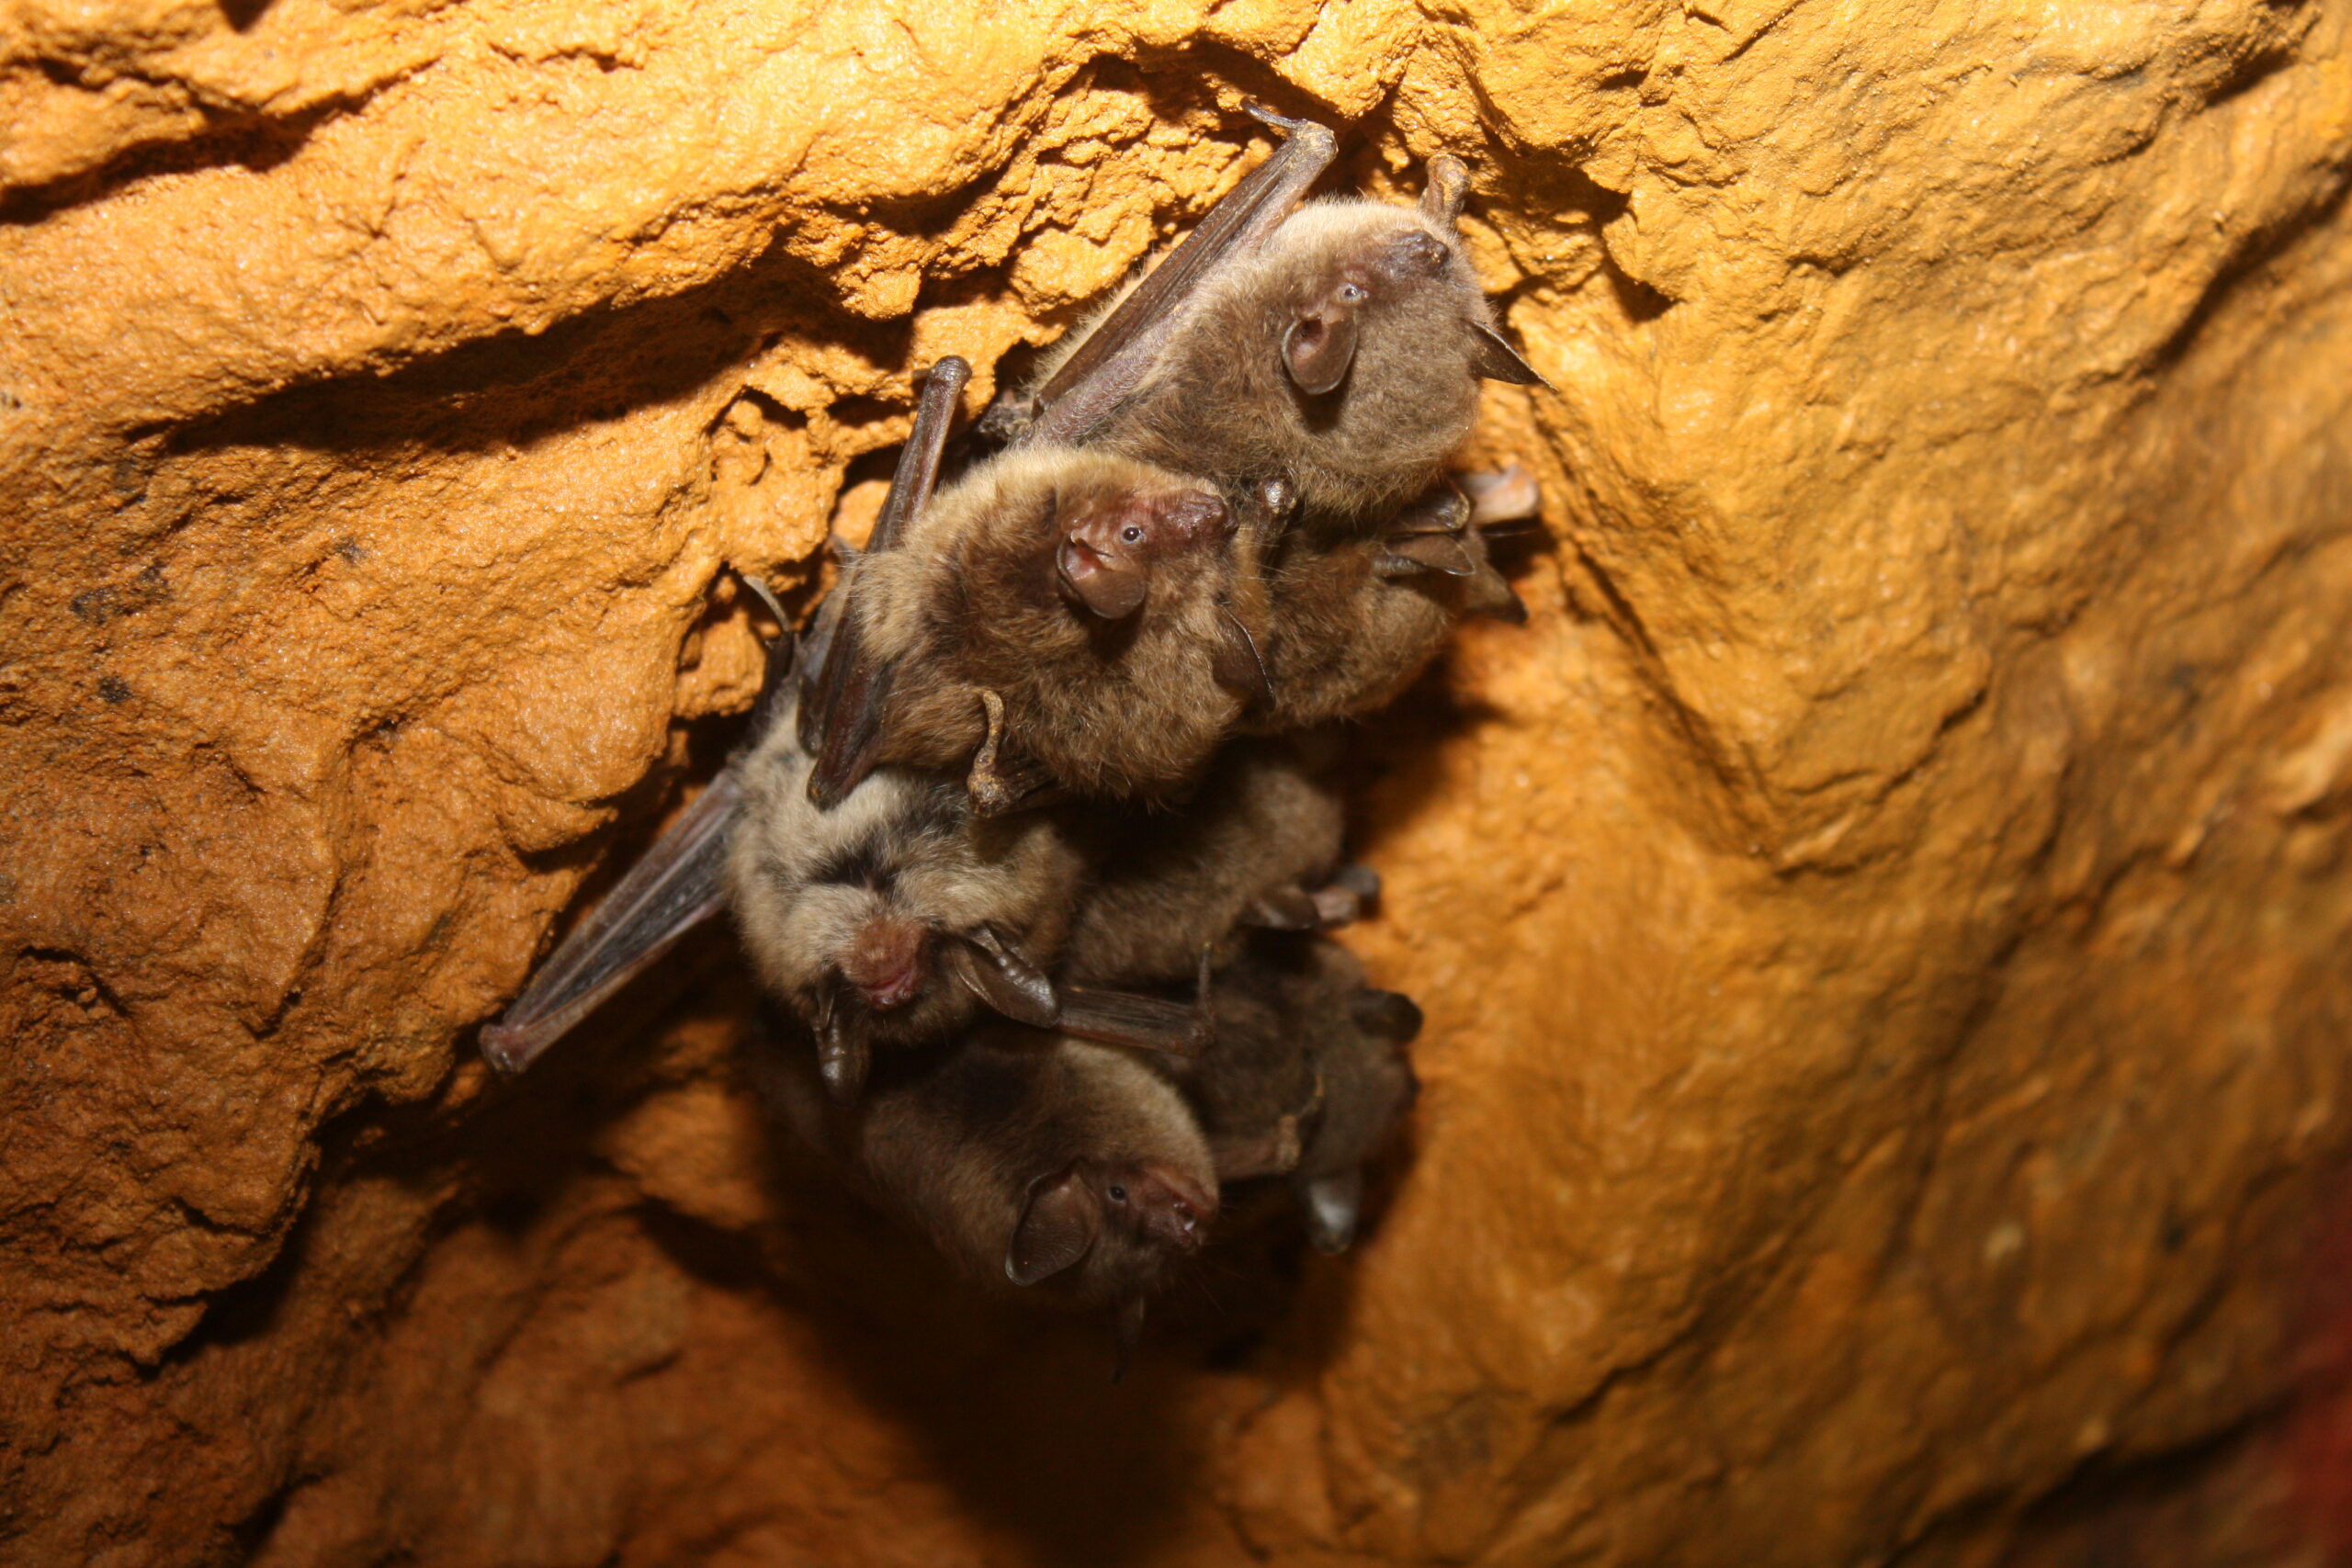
(1168, 883)
(1221, 403)
(804, 884)
(960, 1142)
(970, 600)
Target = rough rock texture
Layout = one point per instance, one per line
(1884, 925)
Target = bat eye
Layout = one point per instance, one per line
(1131, 533)
(1118, 1193)
(1350, 295)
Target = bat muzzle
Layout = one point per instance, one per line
(885, 963)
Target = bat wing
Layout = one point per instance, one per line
(679, 883)
(1113, 359)
(848, 700)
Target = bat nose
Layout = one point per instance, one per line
(1175, 1208)
(1416, 252)
(885, 961)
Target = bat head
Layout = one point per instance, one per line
(1123, 1221)
(860, 919)
(1111, 536)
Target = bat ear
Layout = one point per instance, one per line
(1235, 663)
(1448, 188)
(1004, 980)
(1321, 344)
(1111, 589)
(1492, 359)
(1057, 1228)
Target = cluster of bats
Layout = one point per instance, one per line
(1034, 839)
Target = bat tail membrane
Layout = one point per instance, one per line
(842, 725)
(680, 883)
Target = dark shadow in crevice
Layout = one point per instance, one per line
(254, 143)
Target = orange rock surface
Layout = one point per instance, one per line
(1885, 925)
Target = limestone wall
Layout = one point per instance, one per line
(1883, 924)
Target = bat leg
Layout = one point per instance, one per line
(1331, 1207)
(1009, 418)
(999, 783)
(1389, 1015)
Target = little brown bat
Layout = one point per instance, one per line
(1029, 1159)
(1306, 1076)
(1339, 348)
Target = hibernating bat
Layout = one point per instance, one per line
(1306, 1076)
(1031, 1160)
(895, 919)
(1314, 370)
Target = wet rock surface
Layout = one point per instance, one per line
(1883, 924)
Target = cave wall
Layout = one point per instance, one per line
(1883, 924)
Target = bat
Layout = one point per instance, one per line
(895, 919)
(1313, 369)
(1060, 618)
(1032, 1160)
(1305, 1077)
(1258, 844)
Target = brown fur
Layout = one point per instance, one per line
(1221, 403)
(806, 885)
(1307, 1076)
(1168, 883)
(959, 1142)
(971, 601)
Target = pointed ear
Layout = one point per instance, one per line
(1319, 347)
(992, 971)
(1492, 359)
(1330, 1205)
(1057, 1228)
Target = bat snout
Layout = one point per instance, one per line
(1170, 1207)
(885, 961)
